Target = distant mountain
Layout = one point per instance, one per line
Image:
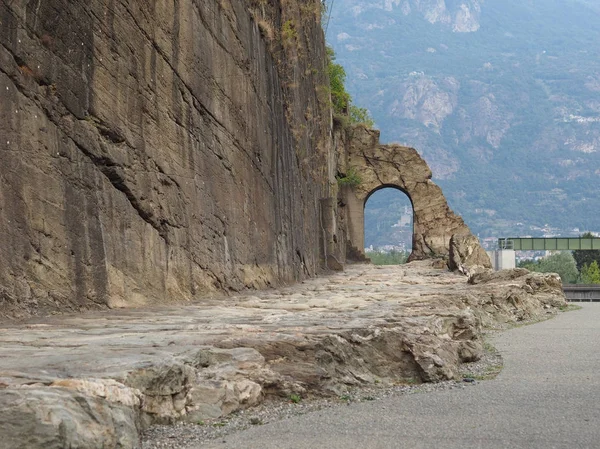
(501, 97)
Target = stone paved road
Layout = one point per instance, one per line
(547, 396)
(108, 344)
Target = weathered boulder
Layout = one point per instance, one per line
(40, 417)
(208, 383)
(515, 294)
(466, 254)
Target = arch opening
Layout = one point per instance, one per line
(388, 225)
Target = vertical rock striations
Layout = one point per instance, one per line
(157, 152)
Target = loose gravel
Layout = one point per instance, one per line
(182, 435)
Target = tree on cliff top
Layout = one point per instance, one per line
(340, 98)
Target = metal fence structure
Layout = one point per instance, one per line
(548, 243)
(582, 292)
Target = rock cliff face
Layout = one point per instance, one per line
(159, 152)
(164, 153)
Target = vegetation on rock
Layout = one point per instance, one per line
(350, 178)
(341, 100)
(360, 115)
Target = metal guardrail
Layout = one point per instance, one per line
(582, 292)
(548, 243)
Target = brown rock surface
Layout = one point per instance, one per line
(467, 255)
(363, 326)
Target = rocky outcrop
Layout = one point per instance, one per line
(518, 294)
(427, 101)
(467, 255)
(95, 380)
(461, 17)
(158, 153)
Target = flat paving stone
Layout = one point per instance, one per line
(104, 343)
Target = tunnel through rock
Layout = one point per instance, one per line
(388, 221)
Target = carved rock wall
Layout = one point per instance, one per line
(157, 151)
(163, 152)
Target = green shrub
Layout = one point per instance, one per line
(350, 178)
(590, 274)
(288, 31)
(561, 263)
(337, 77)
(361, 115)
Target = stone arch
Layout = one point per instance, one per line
(387, 186)
(378, 166)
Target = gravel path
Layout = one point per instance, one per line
(183, 435)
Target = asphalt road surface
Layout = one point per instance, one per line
(547, 396)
